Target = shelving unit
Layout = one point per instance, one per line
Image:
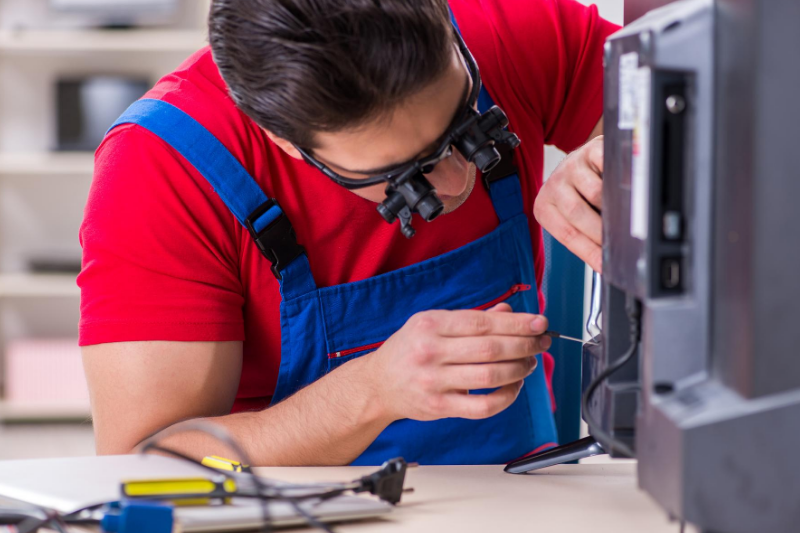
(53, 164)
(94, 41)
(43, 192)
(38, 286)
(10, 412)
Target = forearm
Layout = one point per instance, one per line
(330, 422)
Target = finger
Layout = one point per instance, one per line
(595, 154)
(500, 308)
(493, 348)
(590, 186)
(473, 323)
(478, 406)
(485, 376)
(578, 212)
(575, 241)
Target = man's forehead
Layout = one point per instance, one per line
(413, 130)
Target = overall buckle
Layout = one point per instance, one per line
(504, 168)
(278, 241)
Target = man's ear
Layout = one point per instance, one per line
(284, 145)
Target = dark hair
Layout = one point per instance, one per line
(298, 67)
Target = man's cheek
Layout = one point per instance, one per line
(376, 193)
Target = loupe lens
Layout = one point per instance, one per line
(486, 158)
(386, 213)
(390, 208)
(430, 207)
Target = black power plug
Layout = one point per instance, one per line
(387, 483)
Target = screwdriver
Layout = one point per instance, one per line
(557, 335)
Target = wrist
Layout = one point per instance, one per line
(370, 391)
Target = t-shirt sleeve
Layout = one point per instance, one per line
(556, 52)
(160, 252)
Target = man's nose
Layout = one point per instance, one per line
(449, 177)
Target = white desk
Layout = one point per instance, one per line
(588, 498)
(595, 498)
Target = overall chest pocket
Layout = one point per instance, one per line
(348, 353)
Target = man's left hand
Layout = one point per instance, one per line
(569, 203)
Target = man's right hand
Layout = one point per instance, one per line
(425, 370)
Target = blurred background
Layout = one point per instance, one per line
(68, 69)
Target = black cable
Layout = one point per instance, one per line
(31, 524)
(606, 440)
(152, 445)
(52, 519)
(13, 516)
(223, 436)
(312, 521)
(387, 483)
(59, 524)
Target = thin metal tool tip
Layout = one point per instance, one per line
(557, 335)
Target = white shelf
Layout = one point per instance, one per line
(61, 41)
(38, 285)
(16, 412)
(47, 164)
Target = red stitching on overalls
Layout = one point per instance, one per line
(519, 287)
(509, 293)
(343, 353)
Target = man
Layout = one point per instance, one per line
(362, 344)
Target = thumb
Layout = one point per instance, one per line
(500, 308)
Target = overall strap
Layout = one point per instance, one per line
(261, 216)
(503, 181)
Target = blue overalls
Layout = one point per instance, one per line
(323, 328)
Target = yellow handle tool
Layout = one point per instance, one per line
(181, 491)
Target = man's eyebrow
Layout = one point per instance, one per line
(435, 144)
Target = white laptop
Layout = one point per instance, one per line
(67, 485)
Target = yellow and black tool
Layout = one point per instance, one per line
(220, 463)
(181, 491)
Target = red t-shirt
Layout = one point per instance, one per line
(164, 258)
